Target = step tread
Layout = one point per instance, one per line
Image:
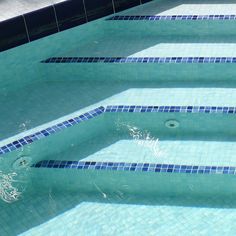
(200, 153)
(184, 7)
(175, 97)
(90, 218)
(153, 47)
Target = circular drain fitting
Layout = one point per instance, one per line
(22, 162)
(172, 124)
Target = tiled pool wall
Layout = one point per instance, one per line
(57, 17)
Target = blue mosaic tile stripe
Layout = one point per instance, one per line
(174, 17)
(51, 130)
(144, 167)
(183, 109)
(159, 60)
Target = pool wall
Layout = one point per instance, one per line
(57, 17)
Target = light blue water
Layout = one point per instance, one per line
(95, 202)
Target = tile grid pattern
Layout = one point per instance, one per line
(175, 17)
(119, 108)
(143, 167)
(140, 60)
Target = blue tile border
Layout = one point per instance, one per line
(159, 60)
(176, 109)
(50, 130)
(174, 17)
(111, 109)
(141, 167)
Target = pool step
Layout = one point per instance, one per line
(118, 219)
(148, 153)
(136, 180)
(178, 72)
(184, 7)
(197, 109)
(133, 48)
(181, 25)
(147, 148)
(177, 18)
(173, 97)
(156, 166)
(149, 59)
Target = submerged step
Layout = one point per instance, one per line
(181, 103)
(137, 146)
(178, 18)
(119, 219)
(147, 153)
(181, 24)
(184, 7)
(212, 97)
(201, 70)
(144, 148)
(135, 49)
(26, 140)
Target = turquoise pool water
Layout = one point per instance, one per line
(56, 199)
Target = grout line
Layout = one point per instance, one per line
(113, 5)
(26, 28)
(85, 12)
(55, 13)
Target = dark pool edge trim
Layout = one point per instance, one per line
(170, 17)
(62, 22)
(110, 109)
(158, 60)
(140, 167)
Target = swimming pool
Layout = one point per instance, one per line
(123, 126)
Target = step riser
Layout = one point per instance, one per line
(181, 73)
(192, 126)
(175, 28)
(136, 185)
